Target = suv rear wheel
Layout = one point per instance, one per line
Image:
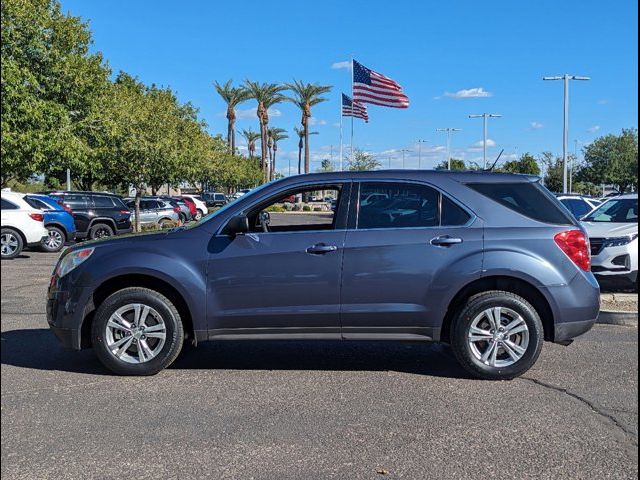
(100, 230)
(497, 335)
(54, 241)
(137, 331)
(12, 243)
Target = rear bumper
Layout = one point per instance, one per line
(568, 331)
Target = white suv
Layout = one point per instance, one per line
(22, 225)
(613, 232)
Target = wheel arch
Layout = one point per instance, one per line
(106, 220)
(515, 285)
(145, 280)
(59, 226)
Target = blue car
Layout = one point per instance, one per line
(490, 263)
(57, 220)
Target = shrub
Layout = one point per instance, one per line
(276, 209)
(317, 209)
(306, 208)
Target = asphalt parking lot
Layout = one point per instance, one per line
(293, 410)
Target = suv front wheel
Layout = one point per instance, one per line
(137, 331)
(497, 335)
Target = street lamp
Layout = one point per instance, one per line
(565, 129)
(449, 131)
(420, 142)
(403, 152)
(484, 117)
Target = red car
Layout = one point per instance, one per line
(191, 205)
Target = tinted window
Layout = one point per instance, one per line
(37, 203)
(615, 211)
(74, 201)
(528, 199)
(578, 207)
(100, 201)
(7, 205)
(398, 205)
(452, 214)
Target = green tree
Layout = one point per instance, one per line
(456, 164)
(232, 96)
(526, 164)
(362, 161)
(307, 95)
(250, 137)
(612, 159)
(275, 135)
(553, 171)
(301, 134)
(51, 93)
(267, 95)
(326, 166)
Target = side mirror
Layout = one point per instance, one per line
(238, 225)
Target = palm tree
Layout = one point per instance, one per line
(232, 96)
(267, 95)
(251, 137)
(275, 135)
(301, 134)
(307, 95)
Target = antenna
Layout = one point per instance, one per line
(490, 169)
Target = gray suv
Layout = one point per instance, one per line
(490, 263)
(155, 212)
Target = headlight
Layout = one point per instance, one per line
(72, 260)
(620, 241)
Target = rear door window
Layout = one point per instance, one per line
(76, 201)
(102, 201)
(398, 205)
(529, 199)
(452, 214)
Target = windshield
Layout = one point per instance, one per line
(615, 211)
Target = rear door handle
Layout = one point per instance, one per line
(321, 249)
(445, 241)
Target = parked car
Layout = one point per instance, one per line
(191, 205)
(499, 268)
(22, 225)
(96, 214)
(58, 222)
(579, 205)
(154, 211)
(214, 199)
(184, 212)
(201, 206)
(241, 193)
(613, 232)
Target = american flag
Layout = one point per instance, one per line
(354, 109)
(373, 87)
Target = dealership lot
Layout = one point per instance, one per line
(308, 410)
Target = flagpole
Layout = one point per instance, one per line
(352, 100)
(341, 157)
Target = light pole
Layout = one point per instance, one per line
(420, 142)
(485, 117)
(449, 131)
(403, 152)
(565, 129)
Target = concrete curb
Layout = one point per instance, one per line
(611, 317)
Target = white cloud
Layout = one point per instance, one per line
(490, 143)
(593, 129)
(536, 125)
(339, 65)
(314, 121)
(477, 92)
(250, 113)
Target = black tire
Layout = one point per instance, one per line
(165, 223)
(163, 306)
(199, 215)
(464, 320)
(100, 230)
(12, 243)
(183, 217)
(56, 240)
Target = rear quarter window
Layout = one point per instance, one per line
(100, 201)
(529, 199)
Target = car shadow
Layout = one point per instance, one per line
(39, 349)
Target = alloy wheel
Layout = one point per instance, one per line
(9, 244)
(135, 333)
(498, 337)
(54, 240)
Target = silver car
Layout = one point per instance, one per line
(154, 211)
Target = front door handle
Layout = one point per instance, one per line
(446, 241)
(321, 249)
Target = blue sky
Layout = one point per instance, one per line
(499, 50)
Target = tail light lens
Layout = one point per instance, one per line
(576, 245)
(125, 212)
(65, 207)
(38, 217)
(176, 209)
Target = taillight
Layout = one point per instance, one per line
(576, 245)
(125, 212)
(176, 209)
(38, 217)
(65, 207)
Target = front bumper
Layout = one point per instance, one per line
(66, 311)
